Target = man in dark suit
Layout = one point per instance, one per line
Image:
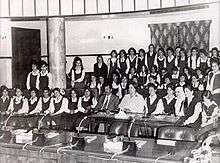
(108, 102)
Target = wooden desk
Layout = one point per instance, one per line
(94, 153)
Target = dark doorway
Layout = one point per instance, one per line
(25, 49)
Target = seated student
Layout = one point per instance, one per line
(169, 100)
(44, 104)
(215, 53)
(45, 79)
(152, 79)
(175, 75)
(124, 85)
(213, 83)
(73, 101)
(108, 102)
(163, 74)
(18, 103)
(33, 100)
(4, 103)
(33, 77)
(197, 86)
(60, 103)
(132, 73)
(4, 100)
(201, 77)
(154, 103)
(162, 88)
(192, 109)
(180, 98)
(132, 102)
(100, 85)
(209, 109)
(60, 108)
(87, 102)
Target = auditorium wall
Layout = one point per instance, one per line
(89, 37)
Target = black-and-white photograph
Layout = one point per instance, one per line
(109, 81)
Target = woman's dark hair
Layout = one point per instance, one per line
(170, 49)
(135, 85)
(114, 51)
(207, 94)
(43, 63)
(73, 89)
(47, 89)
(99, 56)
(194, 48)
(129, 50)
(203, 51)
(122, 52)
(215, 48)
(171, 85)
(150, 46)
(188, 86)
(155, 68)
(56, 89)
(162, 50)
(3, 87)
(118, 77)
(214, 60)
(141, 51)
(152, 86)
(35, 90)
(89, 89)
(76, 59)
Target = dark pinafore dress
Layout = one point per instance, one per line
(44, 82)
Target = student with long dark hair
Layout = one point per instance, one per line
(100, 68)
(160, 60)
(123, 63)
(112, 63)
(33, 77)
(132, 56)
(141, 60)
(192, 60)
(4, 100)
(77, 74)
(182, 60)
(171, 61)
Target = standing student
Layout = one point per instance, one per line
(132, 56)
(171, 61)
(112, 63)
(100, 68)
(33, 77)
(77, 74)
(192, 60)
(150, 56)
(203, 61)
(45, 79)
(123, 63)
(160, 59)
(213, 83)
(182, 60)
(141, 60)
(18, 103)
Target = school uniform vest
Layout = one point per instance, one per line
(44, 82)
(86, 104)
(72, 105)
(133, 62)
(170, 65)
(33, 79)
(152, 107)
(150, 59)
(58, 105)
(45, 105)
(4, 104)
(18, 106)
(169, 108)
(32, 106)
(160, 64)
(208, 110)
(189, 111)
(141, 63)
(123, 67)
(182, 64)
(216, 83)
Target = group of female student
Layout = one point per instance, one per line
(172, 82)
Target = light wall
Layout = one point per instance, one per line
(91, 36)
